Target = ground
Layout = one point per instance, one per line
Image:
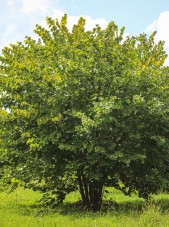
(19, 209)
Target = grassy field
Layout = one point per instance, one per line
(18, 209)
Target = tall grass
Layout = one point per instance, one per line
(18, 210)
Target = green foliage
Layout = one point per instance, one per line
(85, 109)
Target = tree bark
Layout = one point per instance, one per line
(91, 192)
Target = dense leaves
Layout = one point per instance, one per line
(84, 110)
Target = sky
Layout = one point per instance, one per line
(19, 17)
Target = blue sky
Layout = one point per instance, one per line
(18, 17)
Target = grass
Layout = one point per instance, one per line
(18, 210)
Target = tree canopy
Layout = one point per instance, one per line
(82, 110)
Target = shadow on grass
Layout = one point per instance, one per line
(108, 206)
(163, 203)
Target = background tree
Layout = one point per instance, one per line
(84, 110)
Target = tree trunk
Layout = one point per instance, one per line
(91, 192)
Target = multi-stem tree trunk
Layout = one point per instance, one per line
(91, 192)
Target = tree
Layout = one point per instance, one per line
(82, 110)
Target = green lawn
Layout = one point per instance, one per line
(18, 209)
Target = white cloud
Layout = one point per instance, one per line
(32, 6)
(161, 25)
(10, 2)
